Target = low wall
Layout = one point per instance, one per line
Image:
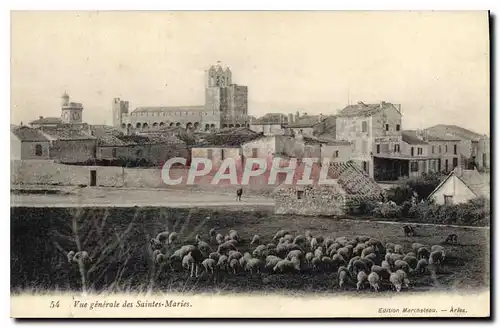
(47, 172)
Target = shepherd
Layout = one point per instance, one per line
(239, 192)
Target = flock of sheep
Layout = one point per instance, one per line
(361, 261)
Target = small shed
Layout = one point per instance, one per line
(348, 186)
(460, 186)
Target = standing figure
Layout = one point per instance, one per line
(239, 192)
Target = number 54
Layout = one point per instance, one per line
(54, 304)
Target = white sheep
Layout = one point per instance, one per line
(212, 233)
(219, 238)
(308, 235)
(367, 250)
(222, 263)
(70, 256)
(226, 247)
(314, 243)
(257, 252)
(285, 266)
(372, 257)
(162, 237)
(416, 246)
(295, 253)
(253, 265)
(423, 252)
(233, 234)
(343, 276)
(396, 281)
(234, 255)
(315, 263)
(204, 247)
(300, 239)
(402, 265)
(404, 278)
(255, 240)
(215, 256)
(209, 265)
(172, 237)
(271, 261)
(439, 248)
(359, 249)
(383, 273)
(309, 256)
(421, 266)
(345, 252)
(398, 249)
(328, 242)
(374, 281)
(234, 264)
(386, 265)
(289, 238)
(389, 247)
(411, 260)
(280, 234)
(338, 260)
(187, 261)
(436, 258)
(362, 279)
(318, 252)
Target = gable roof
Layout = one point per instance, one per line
(362, 109)
(47, 120)
(440, 136)
(25, 133)
(478, 183)
(355, 183)
(463, 133)
(67, 134)
(152, 109)
(228, 137)
(271, 118)
(307, 121)
(411, 138)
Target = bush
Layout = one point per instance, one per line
(400, 194)
(474, 213)
(388, 210)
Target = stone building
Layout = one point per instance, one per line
(473, 147)
(71, 145)
(226, 105)
(446, 148)
(349, 187)
(28, 144)
(368, 127)
(271, 124)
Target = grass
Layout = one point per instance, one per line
(40, 237)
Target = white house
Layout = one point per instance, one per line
(460, 186)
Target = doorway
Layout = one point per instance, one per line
(93, 178)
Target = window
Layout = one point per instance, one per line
(398, 127)
(412, 151)
(364, 126)
(448, 200)
(455, 149)
(255, 152)
(38, 150)
(113, 152)
(455, 161)
(419, 151)
(445, 148)
(414, 166)
(378, 149)
(209, 153)
(365, 166)
(433, 149)
(300, 194)
(138, 153)
(396, 148)
(336, 154)
(439, 148)
(387, 127)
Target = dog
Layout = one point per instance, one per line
(408, 230)
(452, 239)
(239, 192)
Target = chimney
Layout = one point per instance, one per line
(320, 117)
(290, 118)
(297, 116)
(382, 103)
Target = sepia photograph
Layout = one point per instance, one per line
(250, 164)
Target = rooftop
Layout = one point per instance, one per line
(47, 120)
(67, 134)
(457, 131)
(168, 109)
(362, 109)
(307, 121)
(25, 133)
(411, 137)
(228, 137)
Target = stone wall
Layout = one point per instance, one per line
(317, 200)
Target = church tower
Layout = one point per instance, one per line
(71, 113)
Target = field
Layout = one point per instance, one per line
(118, 238)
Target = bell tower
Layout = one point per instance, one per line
(71, 113)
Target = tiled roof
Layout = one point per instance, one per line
(354, 182)
(101, 130)
(411, 138)
(362, 109)
(47, 120)
(112, 141)
(25, 133)
(443, 129)
(168, 109)
(271, 118)
(68, 134)
(229, 137)
(439, 136)
(477, 182)
(307, 121)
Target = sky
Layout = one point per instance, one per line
(435, 64)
